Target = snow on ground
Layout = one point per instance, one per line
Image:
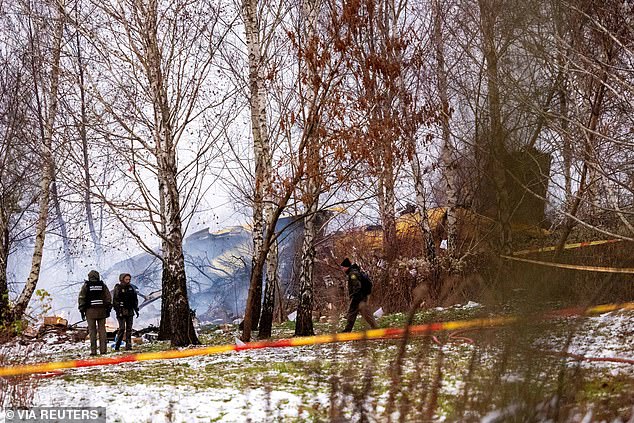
(220, 387)
(610, 335)
(152, 403)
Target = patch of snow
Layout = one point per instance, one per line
(500, 415)
(151, 403)
(512, 378)
(610, 335)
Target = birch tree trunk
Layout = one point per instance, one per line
(262, 214)
(566, 150)
(165, 324)
(174, 277)
(447, 153)
(304, 320)
(175, 302)
(387, 208)
(428, 239)
(4, 256)
(258, 270)
(270, 292)
(47, 168)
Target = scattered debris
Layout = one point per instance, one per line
(149, 337)
(55, 321)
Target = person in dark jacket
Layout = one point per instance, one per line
(359, 288)
(126, 304)
(95, 304)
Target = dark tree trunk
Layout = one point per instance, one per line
(266, 319)
(175, 299)
(497, 148)
(256, 305)
(4, 256)
(304, 322)
(176, 318)
(254, 294)
(165, 325)
(182, 326)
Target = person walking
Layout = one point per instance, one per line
(95, 304)
(126, 304)
(359, 288)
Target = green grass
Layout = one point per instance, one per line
(307, 371)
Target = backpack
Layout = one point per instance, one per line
(366, 283)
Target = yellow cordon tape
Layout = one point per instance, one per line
(387, 333)
(627, 270)
(566, 246)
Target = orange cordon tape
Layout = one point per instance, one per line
(566, 246)
(387, 333)
(627, 270)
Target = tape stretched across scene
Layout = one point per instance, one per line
(373, 334)
(566, 246)
(626, 270)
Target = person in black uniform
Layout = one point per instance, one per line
(126, 304)
(95, 304)
(359, 288)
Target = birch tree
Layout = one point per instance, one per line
(18, 164)
(595, 54)
(447, 157)
(311, 190)
(46, 98)
(157, 58)
(299, 119)
(262, 197)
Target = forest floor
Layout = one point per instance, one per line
(481, 375)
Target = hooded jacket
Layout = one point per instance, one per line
(94, 297)
(359, 283)
(125, 297)
(354, 281)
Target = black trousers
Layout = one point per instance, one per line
(358, 305)
(125, 328)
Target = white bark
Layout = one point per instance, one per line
(304, 323)
(47, 167)
(261, 147)
(447, 153)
